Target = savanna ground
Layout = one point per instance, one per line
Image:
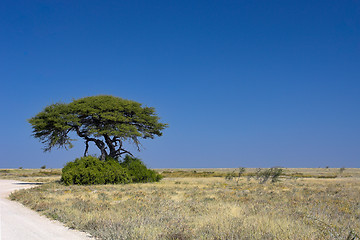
(322, 203)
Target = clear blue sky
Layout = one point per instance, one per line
(241, 83)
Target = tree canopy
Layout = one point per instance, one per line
(106, 120)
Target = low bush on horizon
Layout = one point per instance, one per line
(267, 174)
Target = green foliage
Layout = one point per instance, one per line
(43, 167)
(138, 171)
(107, 121)
(91, 170)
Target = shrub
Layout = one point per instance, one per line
(138, 171)
(235, 175)
(43, 167)
(91, 170)
(266, 174)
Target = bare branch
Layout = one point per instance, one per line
(124, 151)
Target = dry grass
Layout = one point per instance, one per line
(31, 175)
(290, 172)
(207, 208)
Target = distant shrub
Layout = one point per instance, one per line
(91, 170)
(266, 174)
(43, 167)
(235, 175)
(138, 171)
(327, 176)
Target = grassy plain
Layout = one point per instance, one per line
(31, 175)
(194, 204)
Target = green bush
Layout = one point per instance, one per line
(91, 170)
(138, 171)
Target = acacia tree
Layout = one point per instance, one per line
(107, 121)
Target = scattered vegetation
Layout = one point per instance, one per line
(294, 173)
(206, 208)
(262, 175)
(190, 173)
(31, 175)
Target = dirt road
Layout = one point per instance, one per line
(18, 222)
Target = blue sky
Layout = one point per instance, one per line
(240, 83)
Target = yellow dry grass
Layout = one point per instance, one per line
(208, 208)
(31, 175)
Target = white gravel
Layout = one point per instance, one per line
(18, 222)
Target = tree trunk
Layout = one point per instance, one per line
(103, 155)
(101, 145)
(86, 147)
(111, 144)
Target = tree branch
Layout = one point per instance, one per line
(124, 151)
(100, 144)
(109, 142)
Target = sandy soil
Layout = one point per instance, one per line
(18, 222)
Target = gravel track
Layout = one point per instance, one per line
(18, 222)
